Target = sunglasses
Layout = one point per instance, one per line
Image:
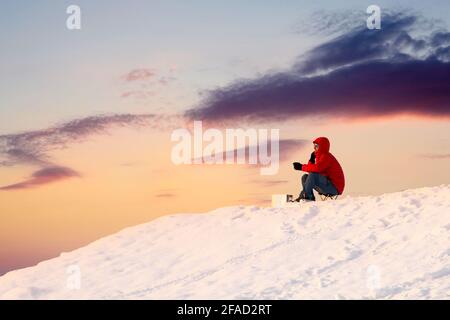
(316, 146)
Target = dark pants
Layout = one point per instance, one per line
(319, 183)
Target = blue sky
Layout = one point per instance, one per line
(50, 74)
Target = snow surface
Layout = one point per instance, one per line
(390, 246)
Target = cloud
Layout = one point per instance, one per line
(254, 201)
(15, 155)
(287, 147)
(435, 156)
(165, 195)
(362, 44)
(326, 22)
(164, 81)
(138, 82)
(269, 183)
(362, 73)
(138, 75)
(137, 94)
(43, 176)
(32, 147)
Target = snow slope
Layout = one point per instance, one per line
(390, 246)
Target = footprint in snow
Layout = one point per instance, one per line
(238, 216)
(287, 228)
(313, 211)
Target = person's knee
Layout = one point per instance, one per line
(304, 179)
(313, 175)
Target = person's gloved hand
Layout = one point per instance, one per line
(313, 158)
(297, 166)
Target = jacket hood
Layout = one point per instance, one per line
(324, 144)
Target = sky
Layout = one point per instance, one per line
(86, 115)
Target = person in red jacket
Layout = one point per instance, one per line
(325, 173)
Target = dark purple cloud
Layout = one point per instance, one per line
(440, 38)
(362, 44)
(362, 73)
(15, 155)
(32, 147)
(43, 176)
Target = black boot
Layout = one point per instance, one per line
(303, 196)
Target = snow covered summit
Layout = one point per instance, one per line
(390, 246)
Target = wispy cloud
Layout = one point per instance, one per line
(435, 156)
(139, 75)
(166, 80)
(34, 147)
(43, 176)
(269, 183)
(137, 94)
(145, 83)
(253, 201)
(362, 73)
(165, 195)
(328, 22)
(287, 147)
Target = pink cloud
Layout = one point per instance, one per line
(43, 176)
(165, 195)
(436, 156)
(139, 74)
(269, 183)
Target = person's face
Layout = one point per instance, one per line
(316, 147)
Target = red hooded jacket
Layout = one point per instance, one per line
(327, 165)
